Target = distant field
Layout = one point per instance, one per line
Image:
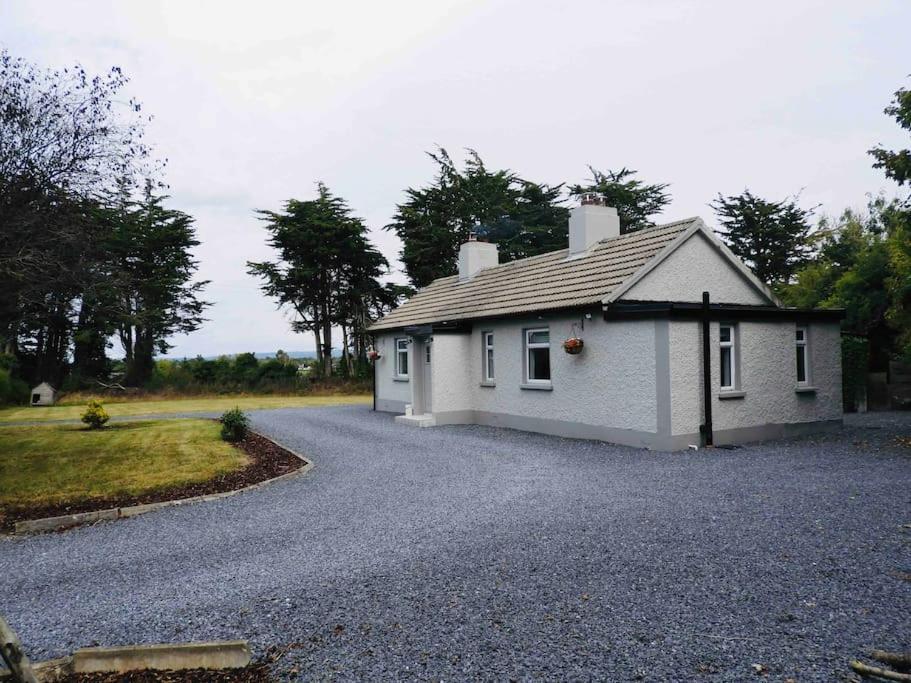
(211, 404)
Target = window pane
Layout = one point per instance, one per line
(725, 334)
(539, 337)
(800, 335)
(490, 374)
(726, 367)
(801, 364)
(539, 364)
(403, 363)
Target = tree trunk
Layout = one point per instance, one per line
(142, 364)
(327, 342)
(319, 346)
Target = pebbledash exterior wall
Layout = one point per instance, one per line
(637, 382)
(392, 393)
(693, 268)
(766, 401)
(603, 393)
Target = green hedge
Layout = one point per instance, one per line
(855, 354)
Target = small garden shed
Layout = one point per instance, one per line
(44, 395)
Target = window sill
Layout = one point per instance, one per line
(488, 384)
(543, 386)
(725, 395)
(399, 379)
(805, 390)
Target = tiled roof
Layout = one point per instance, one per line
(538, 283)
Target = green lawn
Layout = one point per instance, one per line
(65, 463)
(217, 404)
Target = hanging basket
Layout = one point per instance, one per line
(573, 346)
(373, 355)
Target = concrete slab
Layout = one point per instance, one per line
(229, 654)
(416, 420)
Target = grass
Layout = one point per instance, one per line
(65, 463)
(147, 406)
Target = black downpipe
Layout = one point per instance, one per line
(706, 427)
(373, 363)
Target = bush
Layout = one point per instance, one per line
(95, 415)
(6, 387)
(855, 352)
(234, 425)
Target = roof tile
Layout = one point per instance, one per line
(538, 283)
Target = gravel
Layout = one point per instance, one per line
(468, 552)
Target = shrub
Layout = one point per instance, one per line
(234, 425)
(95, 415)
(855, 352)
(6, 387)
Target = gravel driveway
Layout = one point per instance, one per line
(468, 552)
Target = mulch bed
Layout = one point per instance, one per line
(255, 673)
(266, 461)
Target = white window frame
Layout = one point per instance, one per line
(731, 344)
(802, 346)
(401, 348)
(529, 345)
(489, 373)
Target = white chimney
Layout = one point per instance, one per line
(590, 223)
(475, 256)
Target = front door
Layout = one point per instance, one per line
(428, 381)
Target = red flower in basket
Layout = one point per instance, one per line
(573, 345)
(373, 354)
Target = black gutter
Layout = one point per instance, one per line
(680, 310)
(706, 427)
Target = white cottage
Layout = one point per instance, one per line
(680, 343)
(44, 395)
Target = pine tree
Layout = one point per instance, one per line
(327, 273)
(152, 270)
(896, 165)
(522, 217)
(770, 237)
(636, 202)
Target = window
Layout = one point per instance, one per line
(537, 355)
(487, 338)
(401, 357)
(728, 357)
(800, 340)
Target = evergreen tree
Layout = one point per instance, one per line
(771, 237)
(152, 293)
(896, 165)
(636, 202)
(522, 217)
(853, 269)
(327, 272)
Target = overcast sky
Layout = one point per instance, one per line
(256, 101)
